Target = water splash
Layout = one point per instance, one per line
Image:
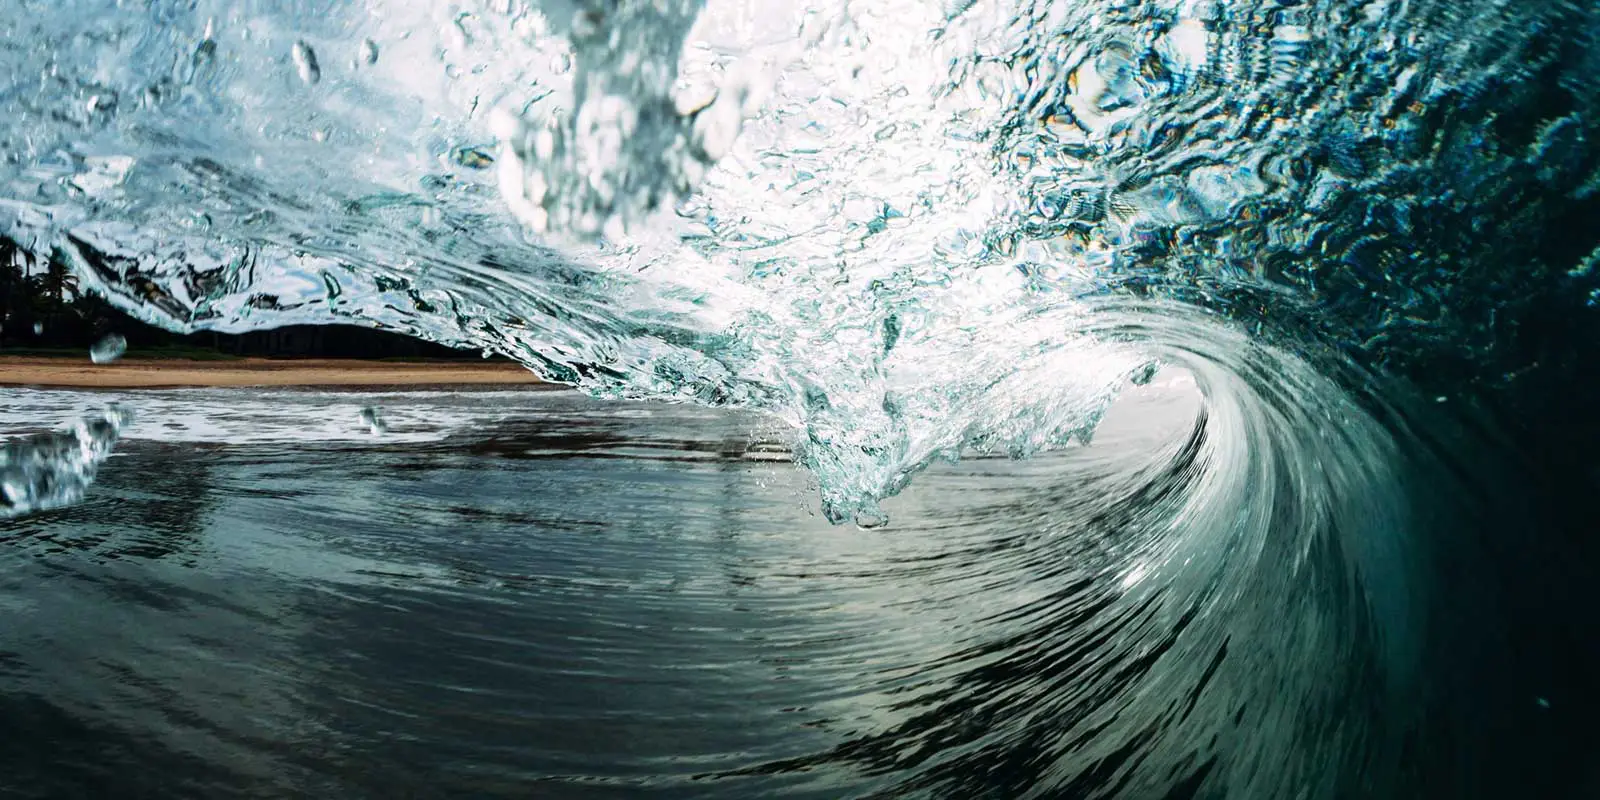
(52, 470)
(891, 225)
(305, 63)
(372, 418)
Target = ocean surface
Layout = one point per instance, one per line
(533, 593)
(987, 398)
(521, 593)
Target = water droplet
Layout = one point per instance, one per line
(472, 157)
(369, 52)
(372, 417)
(535, 187)
(108, 349)
(544, 144)
(456, 35)
(691, 97)
(204, 53)
(305, 62)
(55, 469)
(589, 24)
(715, 128)
(871, 519)
(508, 127)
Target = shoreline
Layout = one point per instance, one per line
(40, 372)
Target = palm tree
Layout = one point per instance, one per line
(59, 281)
(19, 293)
(13, 288)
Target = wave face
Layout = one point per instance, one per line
(885, 224)
(916, 232)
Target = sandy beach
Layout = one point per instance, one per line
(133, 373)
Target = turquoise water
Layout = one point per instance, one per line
(924, 254)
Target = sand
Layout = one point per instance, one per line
(132, 373)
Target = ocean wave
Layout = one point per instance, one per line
(917, 232)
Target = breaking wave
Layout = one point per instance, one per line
(917, 232)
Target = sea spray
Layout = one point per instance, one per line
(894, 226)
(55, 469)
(372, 420)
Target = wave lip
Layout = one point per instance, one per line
(820, 210)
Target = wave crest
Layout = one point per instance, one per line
(906, 238)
